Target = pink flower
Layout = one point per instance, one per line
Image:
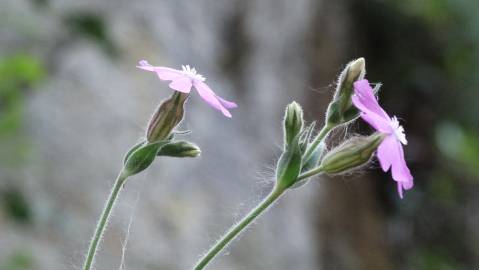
(183, 80)
(390, 152)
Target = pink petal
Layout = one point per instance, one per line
(143, 64)
(365, 93)
(378, 123)
(400, 171)
(182, 84)
(367, 103)
(163, 73)
(227, 104)
(391, 155)
(210, 97)
(386, 152)
(400, 189)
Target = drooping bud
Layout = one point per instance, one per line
(293, 122)
(180, 149)
(289, 165)
(168, 115)
(341, 110)
(353, 153)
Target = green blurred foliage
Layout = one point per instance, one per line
(19, 260)
(16, 205)
(91, 26)
(434, 260)
(18, 74)
(459, 145)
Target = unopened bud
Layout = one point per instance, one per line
(141, 156)
(353, 153)
(293, 122)
(180, 149)
(354, 70)
(340, 109)
(289, 165)
(168, 115)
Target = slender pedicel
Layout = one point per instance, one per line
(103, 221)
(238, 228)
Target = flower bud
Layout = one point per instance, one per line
(168, 115)
(353, 153)
(293, 122)
(141, 156)
(341, 110)
(289, 165)
(180, 149)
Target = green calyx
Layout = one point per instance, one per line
(289, 165)
(351, 154)
(341, 109)
(168, 115)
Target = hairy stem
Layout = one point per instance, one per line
(103, 221)
(317, 140)
(310, 173)
(236, 229)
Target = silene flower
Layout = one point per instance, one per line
(183, 80)
(390, 152)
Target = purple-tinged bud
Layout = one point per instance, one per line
(168, 115)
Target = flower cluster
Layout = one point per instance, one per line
(304, 152)
(354, 98)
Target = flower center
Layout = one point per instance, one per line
(398, 130)
(191, 73)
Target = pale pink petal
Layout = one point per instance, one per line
(143, 64)
(163, 73)
(227, 104)
(386, 152)
(168, 74)
(378, 123)
(209, 96)
(400, 189)
(366, 97)
(400, 171)
(182, 84)
(391, 155)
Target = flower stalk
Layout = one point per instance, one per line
(234, 231)
(103, 221)
(159, 135)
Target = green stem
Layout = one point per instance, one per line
(236, 229)
(310, 173)
(103, 221)
(317, 140)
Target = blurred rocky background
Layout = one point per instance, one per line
(72, 102)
